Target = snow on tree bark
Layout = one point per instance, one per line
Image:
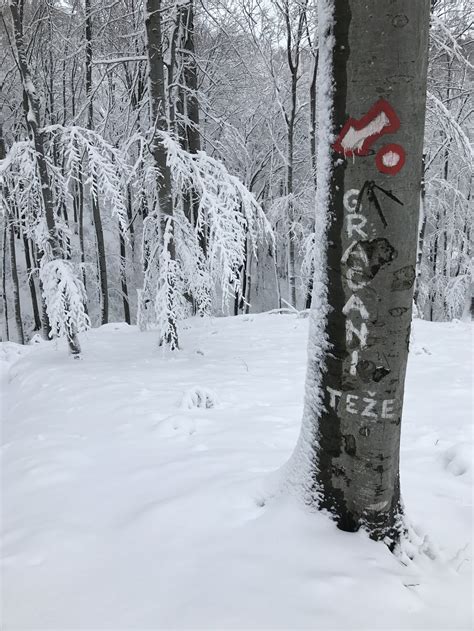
(373, 104)
(157, 89)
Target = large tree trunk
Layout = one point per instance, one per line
(97, 219)
(355, 389)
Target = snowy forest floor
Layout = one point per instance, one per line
(124, 509)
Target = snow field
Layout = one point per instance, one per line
(134, 487)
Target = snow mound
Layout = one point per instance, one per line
(10, 352)
(198, 397)
(458, 459)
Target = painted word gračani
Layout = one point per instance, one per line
(362, 265)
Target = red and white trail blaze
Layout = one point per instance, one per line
(390, 159)
(357, 137)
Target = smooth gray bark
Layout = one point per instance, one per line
(380, 52)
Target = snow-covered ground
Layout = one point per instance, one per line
(125, 507)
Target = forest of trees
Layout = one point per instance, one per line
(158, 159)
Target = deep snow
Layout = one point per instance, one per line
(126, 507)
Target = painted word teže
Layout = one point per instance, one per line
(366, 406)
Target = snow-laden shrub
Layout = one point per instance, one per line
(64, 296)
(198, 397)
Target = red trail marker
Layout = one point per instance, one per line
(357, 136)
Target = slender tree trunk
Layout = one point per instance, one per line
(236, 304)
(248, 283)
(245, 276)
(435, 257)
(193, 138)
(277, 279)
(421, 237)
(157, 90)
(123, 277)
(312, 148)
(190, 110)
(6, 332)
(354, 392)
(312, 116)
(97, 219)
(293, 51)
(289, 186)
(31, 283)
(131, 227)
(80, 220)
(16, 285)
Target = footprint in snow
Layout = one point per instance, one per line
(175, 425)
(457, 459)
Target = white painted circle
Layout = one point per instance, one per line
(390, 159)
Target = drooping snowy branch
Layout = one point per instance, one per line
(107, 168)
(227, 216)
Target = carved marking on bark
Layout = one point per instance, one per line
(403, 278)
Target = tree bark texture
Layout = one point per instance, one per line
(379, 61)
(5, 331)
(15, 284)
(158, 102)
(31, 283)
(157, 90)
(123, 277)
